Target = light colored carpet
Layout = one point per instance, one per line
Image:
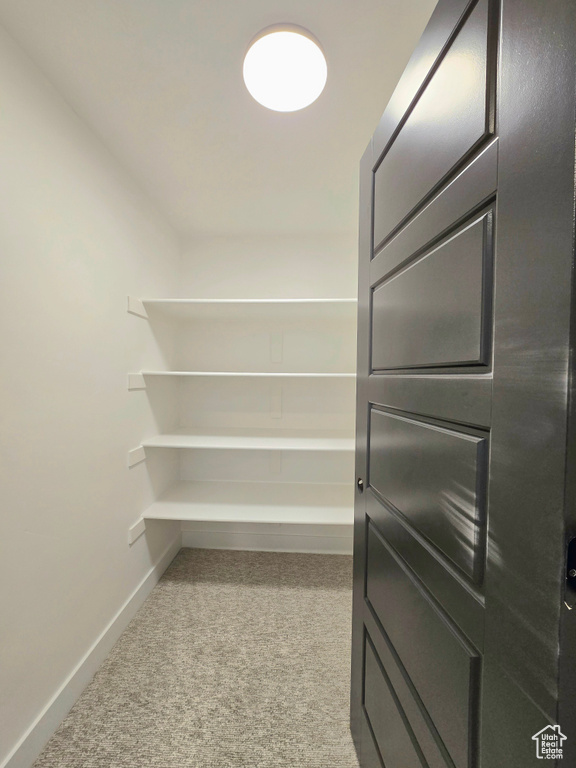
(236, 660)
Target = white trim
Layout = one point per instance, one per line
(269, 537)
(34, 740)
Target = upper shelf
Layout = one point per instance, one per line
(244, 308)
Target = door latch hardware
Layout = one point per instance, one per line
(360, 484)
(571, 565)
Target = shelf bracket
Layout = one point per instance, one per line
(136, 456)
(276, 401)
(136, 307)
(136, 530)
(136, 381)
(275, 463)
(276, 347)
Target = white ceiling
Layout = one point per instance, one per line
(160, 81)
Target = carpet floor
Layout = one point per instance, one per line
(236, 660)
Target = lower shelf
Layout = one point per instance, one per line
(293, 503)
(255, 439)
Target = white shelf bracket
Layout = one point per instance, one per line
(276, 347)
(136, 381)
(275, 463)
(276, 401)
(136, 307)
(136, 530)
(136, 456)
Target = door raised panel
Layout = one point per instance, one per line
(422, 728)
(432, 312)
(447, 121)
(444, 668)
(465, 605)
(436, 478)
(393, 736)
(473, 187)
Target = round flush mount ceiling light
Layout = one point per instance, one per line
(285, 69)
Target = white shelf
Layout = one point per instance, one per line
(294, 503)
(253, 374)
(328, 451)
(251, 308)
(248, 302)
(254, 439)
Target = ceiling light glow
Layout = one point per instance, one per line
(285, 69)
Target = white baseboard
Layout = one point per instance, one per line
(32, 743)
(269, 537)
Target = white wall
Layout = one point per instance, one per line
(76, 236)
(268, 266)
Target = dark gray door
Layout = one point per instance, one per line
(464, 637)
